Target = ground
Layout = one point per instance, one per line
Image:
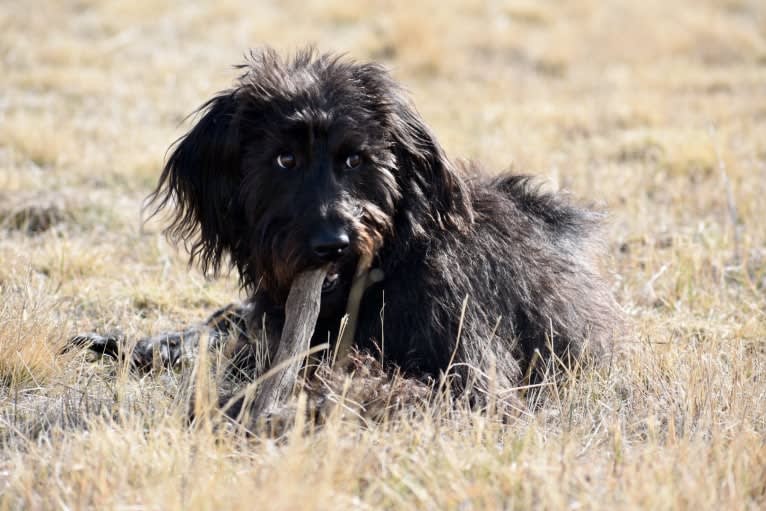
(654, 110)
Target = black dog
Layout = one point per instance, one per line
(318, 160)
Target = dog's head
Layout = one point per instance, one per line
(307, 162)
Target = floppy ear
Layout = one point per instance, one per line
(429, 181)
(201, 177)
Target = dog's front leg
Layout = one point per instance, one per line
(169, 349)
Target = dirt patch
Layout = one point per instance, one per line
(31, 216)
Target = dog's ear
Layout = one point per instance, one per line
(201, 176)
(429, 181)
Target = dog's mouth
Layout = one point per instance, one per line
(342, 288)
(334, 289)
(332, 280)
(338, 275)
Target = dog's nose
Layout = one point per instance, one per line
(329, 244)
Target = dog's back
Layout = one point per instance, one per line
(519, 285)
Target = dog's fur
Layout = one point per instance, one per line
(480, 272)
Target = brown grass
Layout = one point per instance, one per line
(655, 109)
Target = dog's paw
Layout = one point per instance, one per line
(164, 350)
(103, 345)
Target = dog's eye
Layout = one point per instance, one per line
(286, 160)
(353, 161)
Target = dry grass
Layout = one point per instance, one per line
(657, 109)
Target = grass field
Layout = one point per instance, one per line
(654, 109)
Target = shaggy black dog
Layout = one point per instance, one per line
(317, 160)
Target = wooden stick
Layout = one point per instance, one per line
(301, 312)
